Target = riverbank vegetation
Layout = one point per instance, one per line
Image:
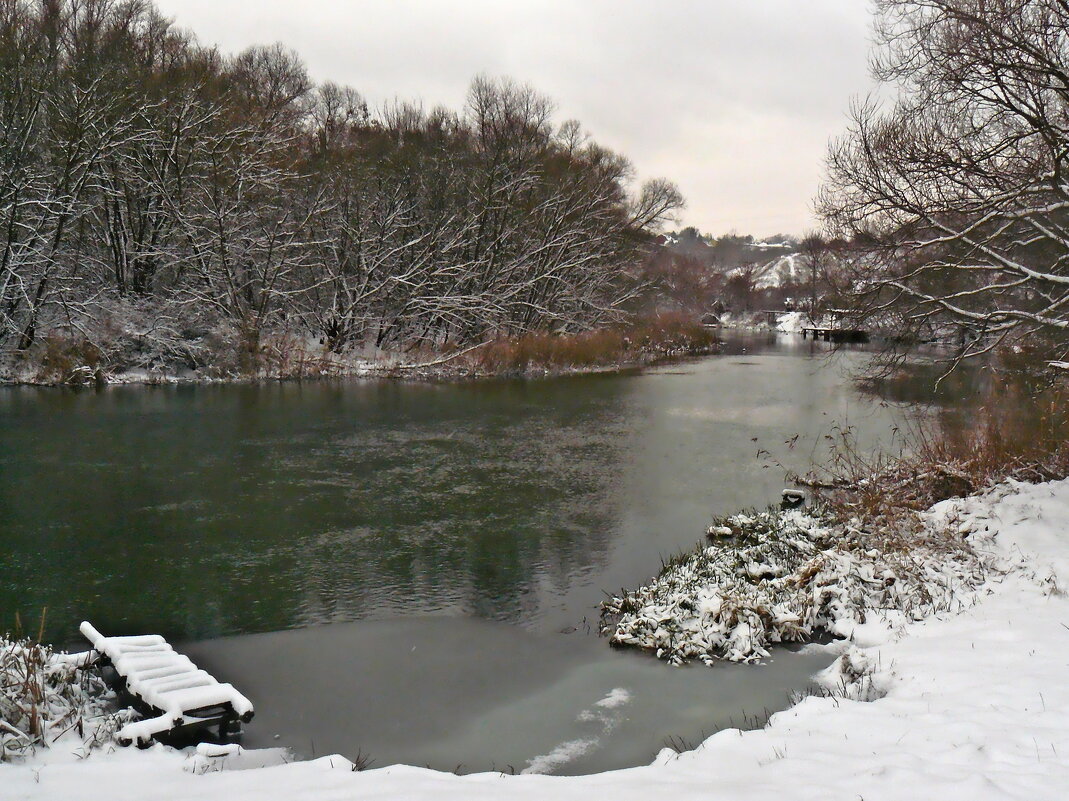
(44, 695)
(868, 545)
(646, 339)
(169, 208)
(779, 577)
(1020, 432)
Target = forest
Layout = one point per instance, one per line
(168, 206)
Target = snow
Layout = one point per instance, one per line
(970, 703)
(781, 271)
(781, 576)
(164, 679)
(790, 323)
(618, 697)
(603, 715)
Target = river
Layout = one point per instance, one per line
(411, 571)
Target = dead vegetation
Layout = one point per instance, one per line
(1019, 431)
(646, 339)
(44, 694)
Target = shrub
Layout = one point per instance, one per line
(1020, 431)
(785, 576)
(68, 359)
(643, 340)
(45, 694)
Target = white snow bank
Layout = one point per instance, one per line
(790, 323)
(973, 705)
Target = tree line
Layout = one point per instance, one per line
(173, 201)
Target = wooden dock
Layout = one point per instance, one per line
(173, 695)
(835, 334)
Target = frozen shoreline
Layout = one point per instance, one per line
(970, 704)
(381, 370)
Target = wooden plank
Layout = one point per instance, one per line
(172, 692)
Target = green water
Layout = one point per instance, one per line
(214, 511)
(201, 511)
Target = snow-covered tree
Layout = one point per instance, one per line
(958, 188)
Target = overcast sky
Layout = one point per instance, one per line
(734, 100)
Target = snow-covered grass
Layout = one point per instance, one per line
(45, 697)
(772, 577)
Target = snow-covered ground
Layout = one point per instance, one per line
(787, 269)
(972, 704)
(790, 322)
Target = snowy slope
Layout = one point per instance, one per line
(779, 272)
(975, 705)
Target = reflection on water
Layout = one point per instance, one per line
(503, 508)
(202, 511)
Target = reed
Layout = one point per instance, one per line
(45, 694)
(1019, 432)
(643, 340)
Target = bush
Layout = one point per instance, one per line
(1020, 431)
(45, 695)
(787, 576)
(644, 340)
(67, 359)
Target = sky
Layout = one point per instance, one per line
(734, 100)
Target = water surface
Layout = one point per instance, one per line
(503, 511)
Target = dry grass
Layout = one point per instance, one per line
(45, 695)
(1020, 432)
(643, 340)
(68, 360)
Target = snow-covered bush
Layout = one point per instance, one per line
(45, 695)
(784, 576)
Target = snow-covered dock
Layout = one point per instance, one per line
(173, 694)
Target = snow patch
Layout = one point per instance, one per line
(211, 758)
(561, 755)
(618, 697)
(603, 714)
(790, 323)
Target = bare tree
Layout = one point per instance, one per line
(959, 189)
(814, 251)
(160, 196)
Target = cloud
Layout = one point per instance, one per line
(733, 100)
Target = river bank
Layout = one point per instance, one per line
(643, 342)
(970, 703)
